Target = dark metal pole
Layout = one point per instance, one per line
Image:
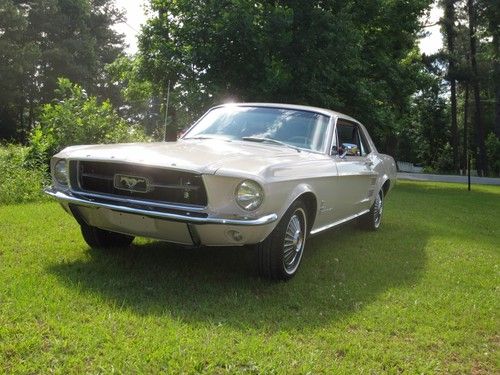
(468, 170)
(166, 112)
(466, 133)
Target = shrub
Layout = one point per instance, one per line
(20, 182)
(76, 118)
(493, 153)
(444, 161)
(429, 169)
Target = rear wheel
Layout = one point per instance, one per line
(372, 219)
(281, 252)
(100, 238)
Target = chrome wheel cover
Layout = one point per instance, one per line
(294, 242)
(378, 207)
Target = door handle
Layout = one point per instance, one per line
(369, 163)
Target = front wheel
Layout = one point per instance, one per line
(372, 219)
(104, 239)
(281, 252)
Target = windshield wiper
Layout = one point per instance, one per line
(223, 138)
(270, 140)
(198, 138)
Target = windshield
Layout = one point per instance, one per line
(307, 130)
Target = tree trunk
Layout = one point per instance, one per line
(496, 77)
(31, 115)
(20, 136)
(481, 160)
(449, 26)
(454, 127)
(466, 128)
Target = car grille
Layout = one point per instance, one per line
(138, 182)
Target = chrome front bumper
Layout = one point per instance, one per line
(175, 225)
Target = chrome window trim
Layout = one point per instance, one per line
(331, 121)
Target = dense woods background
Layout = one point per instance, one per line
(65, 79)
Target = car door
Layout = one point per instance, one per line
(355, 169)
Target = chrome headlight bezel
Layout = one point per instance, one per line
(249, 195)
(60, 172)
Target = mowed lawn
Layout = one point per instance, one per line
(419, 296)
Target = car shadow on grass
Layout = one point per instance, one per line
(343, 271)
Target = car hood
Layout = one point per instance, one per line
(208, 156)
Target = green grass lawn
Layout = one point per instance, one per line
(418, 296)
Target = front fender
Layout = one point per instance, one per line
(283, 194)
(298, 191)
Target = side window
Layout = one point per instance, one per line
(365, 148)
(351, 140)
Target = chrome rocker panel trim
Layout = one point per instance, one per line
(349, 218)
(70, 198)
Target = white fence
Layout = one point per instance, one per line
(404, 166)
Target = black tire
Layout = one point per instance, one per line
(372, 219)
(280, 254)
(103, 239)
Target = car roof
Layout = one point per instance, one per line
(324, 111)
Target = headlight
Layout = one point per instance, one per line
(61, 172)
(249, 195)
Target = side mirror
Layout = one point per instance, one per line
(350, 149)
(342, 152)
(339, 151)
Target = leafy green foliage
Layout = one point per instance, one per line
(444, 160)
(353, 56)
(20, 182)
(478, 70)
(18, 58)
(138, 101)
(358, 57)
(424, 138)
(493, 153)
(76, 118)
(46, 39)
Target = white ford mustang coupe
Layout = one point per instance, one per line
(265, 175)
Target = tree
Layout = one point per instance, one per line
(425, 137)
(17, 67)
(492, 17)
(472, 66)
(138, 102)
(77, 118)
(449, 34)
(481, 162)
(354, 56)
(48, 39)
